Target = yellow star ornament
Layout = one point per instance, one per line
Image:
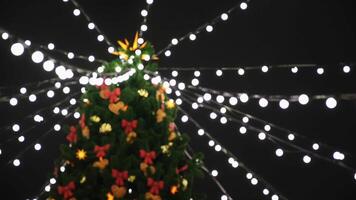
(81, 154)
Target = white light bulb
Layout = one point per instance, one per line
(241, 71)
(91, 26)
(144, 13)
(267, 127)
(149, 2)
(262, 136)
(249, 175)
(76, 12)
(70, 55)
(263, 102)
(331, 102)
(48, 65)
(111, 49)
(303, 99)
(181, 86)
(244, 98)
(195, 106)
(140, 66)
(64, 112)
(320, 71)
(174, 73)
(100, 38)
(265, 191)
(167, 53)
(52, 181)
(217, 148)
(38, 118)
(91, 58)
(224, 16)
(346, 69)
(294, 70)
(16, 128)
(37, 57)
(13, 101)
(233, 101)
(192, 37)
(243, 130)
(275, 197)
(279, 152)
(223, 120)
(243, 6)
(223, 197)
(207, 97)
(291, 137)
(213, 115)
(174, 41)
(73, 101)
(28, 42)
(219, 72)
(144, 27)
(209, 28)
(245, 119)
(23, 90)
(62, 169)
(50, 46)
(21, 139)
(16, 162)
(220, 99)
(184, 118)
(211, 143)
(306, 159)
(315, 146)
(179, 101)
(17, 49)
(200, 99)
(254, 181)
(201, 132)
(195, 82)
(32, 98)
(354, 174)
(57, 127)
(235, 164)
(66, 90)
(264, 69)
(56, 110)
(76, 115)
(140, 41)
(223, 110)
(283, 103)
(37, 147)
(214, 173)
(5, 36)
(48, 188)
(338, 156)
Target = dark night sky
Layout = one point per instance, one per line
(268, 32)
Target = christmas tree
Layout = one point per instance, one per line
(126, 144)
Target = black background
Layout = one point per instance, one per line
(268, 32)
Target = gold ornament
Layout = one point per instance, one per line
(174, 189)
(170, 104)
(86, 132)
(101, 164)
(144, 168)
(185, 183)
(130, 138)
(172, 136)
(118, 192)
(150, 196)
(105, 128)
(142, 93)
(131, 178)
(165, 148)
(160, 115)
(116, 107)
(109, 196)
(95, 118)
(160, 94)
(83, 179)
(81, 154)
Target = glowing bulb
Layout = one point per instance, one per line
(47, 188)
(50, 46)
(219, 72)
(66, 90)
(233, 101)
(245, 119)
(62, 169)
(192, 37)
(346, 69)
(140, 41)
(315, 146)
(241, 71)
(244, 98)
(294, 70)
(17, 49)
(264, 68)
(174, 73)
(13, 101)
(213, 115)
(254, 181)
(283, 103)
(140, 66)
(211, 143)
(303, 99)
(306, 159)
(179, 101)
(223, 110)
(220, 99)
(224, 16)
(223, 197)
(249, 176)
(265, 191)
(291, 137)
(70, 55)
(195, 82)
(149, 2)
(37, 147)
(207, 97)
(331, 102)
(37, 57)
(338, 156)
(223, 120)
(209, 28)
(64, 112)
(56, 110)
(100, 38)
(262, 136)
(200, 99)
(275, 197)
(167, 53)
(144, 13)
(267, 127)
(21, 139)
(38, 118)
(52, 181)
(76, 115)
(263, 102)
(28, 42)
(218, 148)
(73, 101)
(57, 127)
(320, 71)
(174, 41)
(23, 90)
(235, 164)
(91, 26)
(144, 27)
(243, 130)
(32, 98)
(16, 162)
(16, 128)
(48, 65)
(279, 152)
(5, 36)
(195, 106)
(181, 86)
(201, 132)
(214, 173)
(243, 6)
(76, 12)
(111, 49)
(91, 58)
(184, 118)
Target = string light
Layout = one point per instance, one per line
(213, 115)
(315, 146)
(279, 152)
(224, 16)
(17, 49)
(262, 136)
(16, 162)
(76, 12)
(70, 55)
(331, 102)
(306, 159)
(13, 101)
(16, 128)
(57, 127)
(243, 130)
(291, 137)
(233, 101)
(184, 118)
(4, 36)
(50, 46)
(263, 102)
(294, 70)
(303, 99)
(243, 6)
(209, 28)
(241, 71)
(284, 104)
(264, 68)
(100, 38)
(244, 98)
(48, 65)
(21, 138)
(192, 37)
(214, 173)
(219, 72)
(32, 98)
(37, 57)
(275, 197)
(37, 147)
(320, 71)
(346, 69)
(338, 156)
(265, 191)
(23, 90)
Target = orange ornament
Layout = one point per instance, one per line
(174, 189)
(145, 168)
(118, 192)
(130, 138)
(149, 196)
(116, 107)
(86, 132)
(101, 164)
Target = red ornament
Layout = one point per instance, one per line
(155, 186)
(72, 136)
(182, 169)
(128, 126)
(82, 121)
(148, 156)
(120, 176)
(113, 96)
(101, 150)
(67, 190)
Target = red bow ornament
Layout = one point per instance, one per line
(101, 150)
(148, 156)
(128, 126)
(120, 176)
(72, 136)
(113, 96)
(66, 191)
(155, 186)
